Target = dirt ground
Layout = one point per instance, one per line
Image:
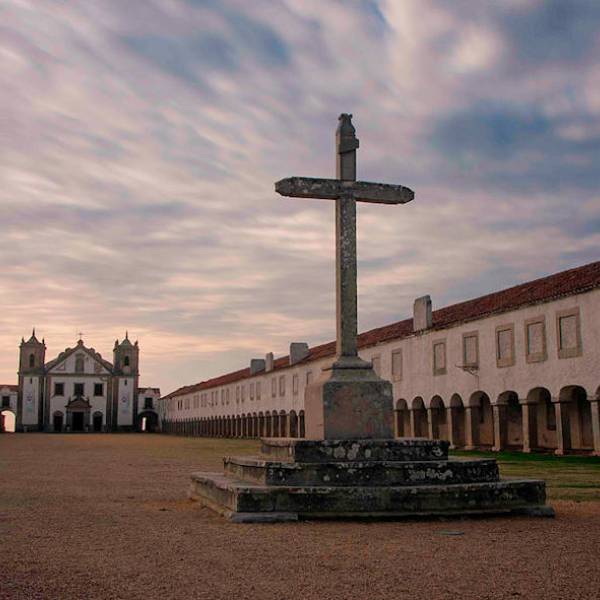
(106, 516)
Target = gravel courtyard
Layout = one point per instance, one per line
(106, 516)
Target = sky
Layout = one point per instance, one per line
(140, 141)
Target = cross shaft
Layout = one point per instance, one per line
(346, 191)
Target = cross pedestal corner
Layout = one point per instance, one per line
(349, 403)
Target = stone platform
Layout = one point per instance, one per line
(306, 479)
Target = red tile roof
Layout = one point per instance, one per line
(10, 386)
(566, 283)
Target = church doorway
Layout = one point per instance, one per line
(7, 421)
(57, 421)
(77, 421)
(148, 421)
(97, 421)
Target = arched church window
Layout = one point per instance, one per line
(79, 364)
(126, 361)
(32, 360)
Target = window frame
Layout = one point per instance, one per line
(578, 349)
(534, 357)
(502, 363)
(465, 362)
(437, 370)
(397, 352)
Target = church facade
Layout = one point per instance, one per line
(515, 369)
(80, 391)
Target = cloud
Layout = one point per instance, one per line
(141, 140)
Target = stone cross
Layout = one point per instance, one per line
(346, 191)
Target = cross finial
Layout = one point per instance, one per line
(80, 334)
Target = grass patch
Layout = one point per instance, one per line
(574, 478)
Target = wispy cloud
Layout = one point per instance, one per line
(140, 141)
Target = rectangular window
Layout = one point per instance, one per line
(5, 401)
(258, 390)
(196, 401)
(535, 340)
(282, 385)
(308, 377)
(505, 345)
(148, 404)
(439, 357)
(59, 389)
(222, 397)
(237, 394)
(568, 329)
(295, 384)
(243, 393)
(273, 387)
(470, 356)
(252, 391)
(227, 396)
(98, 389)
(376, 360)
(78, 389)
(397, 365)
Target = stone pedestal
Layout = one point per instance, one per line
(307, 479)
(349, 403)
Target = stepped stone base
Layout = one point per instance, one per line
(372, 479)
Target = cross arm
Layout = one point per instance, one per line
(331, 189)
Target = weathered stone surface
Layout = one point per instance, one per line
(233, 496)
(369, 473)
(403, 449)
(331, 189)
(349, 404)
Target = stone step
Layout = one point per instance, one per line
(367, 473)
(241, 501)
(402, 449)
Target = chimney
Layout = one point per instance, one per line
(422, 313)
(298, 351)
(269, 362)
(256, 365)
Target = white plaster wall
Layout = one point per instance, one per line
(125, 401)
(417, 369)
(4, 391)
(90, 365)
(31, 392)
(554, 373)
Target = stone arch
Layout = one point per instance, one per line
(418, 416)
(261, 424)
(8, 421)
(268, 424)
(402, 418)
(149, 426)
(284, 425)
(274, 424)
(543, 430)
(579, 417)
(58, 421)
(293, 419)
(509, 421)
(482, 421)
(437, 419)
(456, 421)
(301, 426)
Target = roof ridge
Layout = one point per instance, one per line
(541, 289)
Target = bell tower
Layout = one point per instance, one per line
(32, 356)
(126, 380)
